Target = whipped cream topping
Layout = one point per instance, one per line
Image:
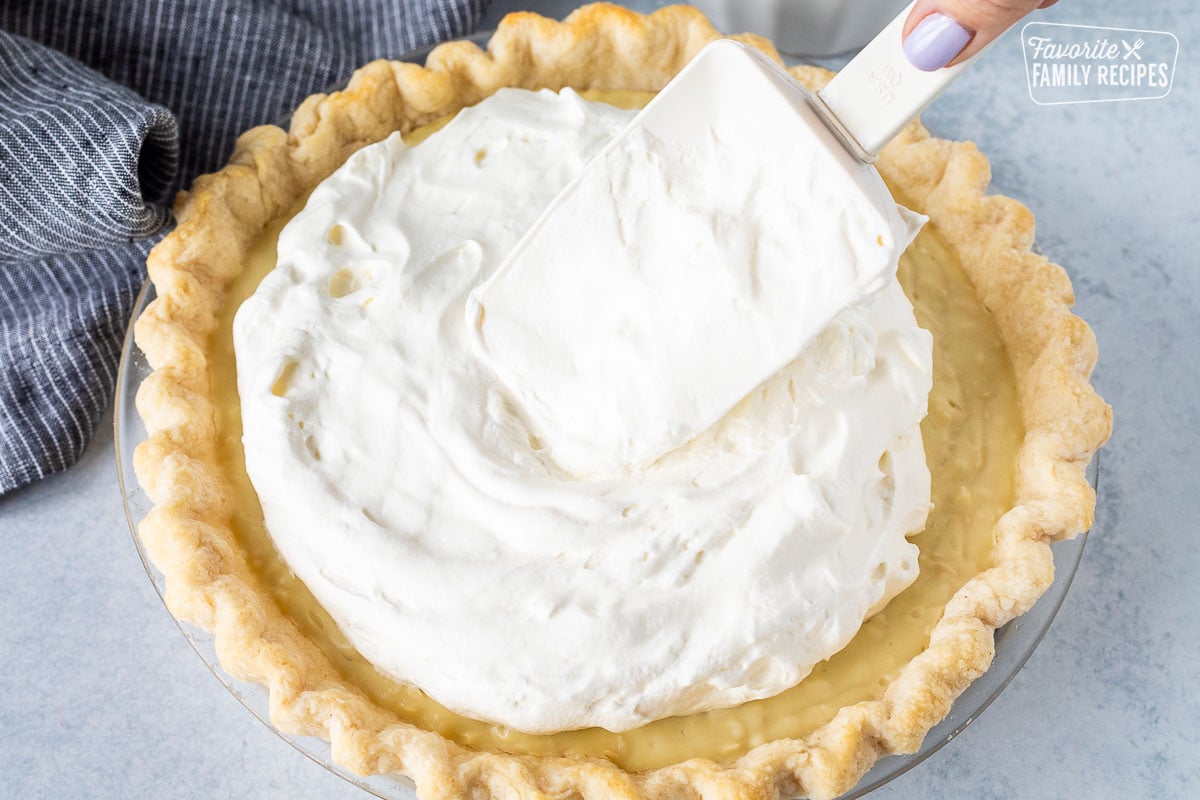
(694, 256)
(401, 481)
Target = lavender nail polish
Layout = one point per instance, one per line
(935, 42)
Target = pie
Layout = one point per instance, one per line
(1011, 428)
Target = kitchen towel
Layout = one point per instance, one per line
(108, 108)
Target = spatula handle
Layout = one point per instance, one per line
(880, 91)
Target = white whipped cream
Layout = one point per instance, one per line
(694, 256)
(400, 481)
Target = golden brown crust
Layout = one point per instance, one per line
(602, 46)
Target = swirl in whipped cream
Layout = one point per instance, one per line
(400, 481)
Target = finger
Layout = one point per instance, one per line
(939, 33)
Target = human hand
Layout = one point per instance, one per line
(939, 33)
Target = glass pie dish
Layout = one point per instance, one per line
(1014, 643)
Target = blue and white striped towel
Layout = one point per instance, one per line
(107, 108)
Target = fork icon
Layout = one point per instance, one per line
(1132, 49)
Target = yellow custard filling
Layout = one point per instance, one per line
(971, 438)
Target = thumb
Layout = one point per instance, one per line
(939, 33)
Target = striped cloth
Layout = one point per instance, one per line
(107, 107)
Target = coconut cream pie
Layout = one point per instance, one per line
(522, 444)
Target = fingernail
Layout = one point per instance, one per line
(935, 42)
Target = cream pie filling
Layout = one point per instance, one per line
(403, 487)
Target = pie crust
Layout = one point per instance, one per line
(209, 582)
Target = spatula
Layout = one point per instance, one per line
(664, 283)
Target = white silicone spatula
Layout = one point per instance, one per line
(699, 252)
(879, 92)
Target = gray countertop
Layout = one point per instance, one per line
(101, 697)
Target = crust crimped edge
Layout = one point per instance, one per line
(209, 584)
